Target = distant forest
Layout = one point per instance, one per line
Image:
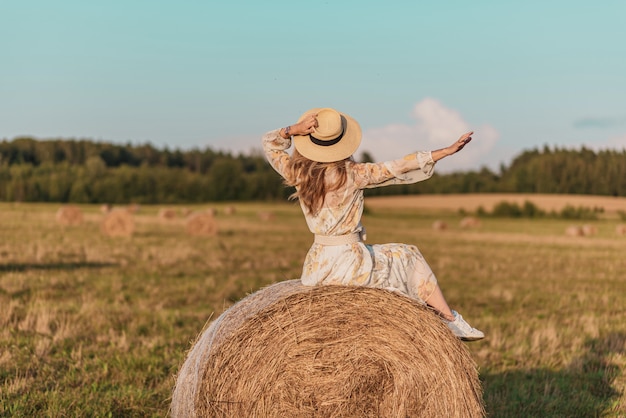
(85, 171)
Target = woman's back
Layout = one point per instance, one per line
(341, 209)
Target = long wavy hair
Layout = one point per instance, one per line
(313, 180)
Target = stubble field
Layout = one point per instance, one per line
(97, 326)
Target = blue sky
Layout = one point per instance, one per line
(415, 74)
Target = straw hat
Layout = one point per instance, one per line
(336, 137)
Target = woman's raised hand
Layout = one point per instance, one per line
(306, 126)
(454, 148)
(460, 143)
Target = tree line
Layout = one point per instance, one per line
(85, 171)
(549, 170)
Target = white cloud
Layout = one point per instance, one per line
(436, 127)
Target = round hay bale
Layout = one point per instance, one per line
(266, 216)
(106, 208)
(202, 223)
(167, 214)
(620, 229)
(440, 225)
(69, 215)
(469, 222)
(574, 231)
(589, 230)
(134, 208)
(230, 210)
(118, 223)
(290, 350)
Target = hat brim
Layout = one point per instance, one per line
(343, 149)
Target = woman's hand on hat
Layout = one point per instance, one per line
(305, 126)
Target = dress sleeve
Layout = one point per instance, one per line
(412, 168)
(274, 147)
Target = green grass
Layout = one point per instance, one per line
(96, 326)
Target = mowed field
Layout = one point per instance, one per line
(471, 202)
(92, 325)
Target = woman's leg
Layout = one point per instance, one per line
(456, 323)
(423, 284)
(437, 301)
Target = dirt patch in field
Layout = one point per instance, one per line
(471, 202)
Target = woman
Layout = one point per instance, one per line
(329, 185)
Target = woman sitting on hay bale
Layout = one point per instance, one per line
(329, 185)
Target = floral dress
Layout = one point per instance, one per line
(398, 267)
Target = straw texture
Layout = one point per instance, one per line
(328, 351)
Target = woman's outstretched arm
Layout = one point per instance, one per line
(454, 148)
(395, 172)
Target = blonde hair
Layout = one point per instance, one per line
(313, 180)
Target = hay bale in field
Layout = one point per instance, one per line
(620, 229)
(118, 223)
(166, 214)
(295, 351)
(230, 210)
(134, 208)
(440, 225)
(589, 230)
(470, 222)
(69, 215)
(202, 223)
(574, 231)
(266, 216)
(106, 208)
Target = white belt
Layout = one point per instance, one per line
(338, 239)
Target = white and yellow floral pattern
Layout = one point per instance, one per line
(398, 267)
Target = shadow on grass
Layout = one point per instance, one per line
(21, 267)
(583, 389)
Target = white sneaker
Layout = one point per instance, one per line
(463, 330)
